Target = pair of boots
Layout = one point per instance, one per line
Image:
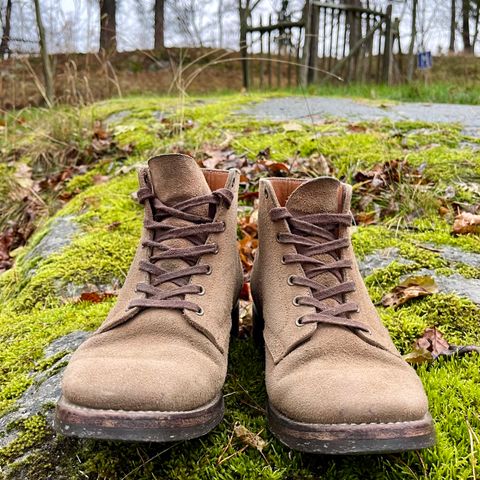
(155, 368)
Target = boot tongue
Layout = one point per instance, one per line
(176, 178)
(321, 195)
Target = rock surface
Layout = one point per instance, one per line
(46, 385)
(317, 108)
(59, 234)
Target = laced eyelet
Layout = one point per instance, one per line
(209, 270)
(216, 249)
(283, 260)
(290, 280)
(299, 323)
(200, 312)
(278, 237)
(295, 301)
(224, 226)
(265, 192)
(202, 290)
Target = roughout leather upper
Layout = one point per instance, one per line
(162, 359)
(318, 373)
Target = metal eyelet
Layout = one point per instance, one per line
(278, 237)
(224, 226)
(200, 312)
(295, 301)
(209, 271)
(265, 192)
(202, 290)
(283, 260)
(290, 280)
(299, 323)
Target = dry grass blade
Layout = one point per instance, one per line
(472, 437)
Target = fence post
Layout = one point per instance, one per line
(387, 54)
(306, 44)
(313, 55)
(243, 46)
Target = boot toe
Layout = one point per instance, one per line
(179, 380)
(351, 395)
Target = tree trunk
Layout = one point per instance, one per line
(220, 23)
(453, 26)
(477, 25)
(413, 29)
(467, 45)
(108, 29)
(4, 45)
(47, 69)
(243, 14)
(159, 24)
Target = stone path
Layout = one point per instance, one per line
(317, 108)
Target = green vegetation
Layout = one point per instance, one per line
(437, 92)
(38, 305)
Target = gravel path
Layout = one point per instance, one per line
(318, 108)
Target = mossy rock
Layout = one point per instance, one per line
(36, 312)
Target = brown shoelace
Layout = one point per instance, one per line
(156, 213)
(323, 226)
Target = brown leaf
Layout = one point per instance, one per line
(114, 225)
(98, 179)
(366, 218)
(412, 287)
(432, 344)
(466, 222)
(356, 128)
(99, 132)
(213, 156)
(249, 438)
(245, 322)
(95, 297)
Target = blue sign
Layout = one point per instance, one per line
(424, 60)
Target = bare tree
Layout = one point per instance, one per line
(108, 26)
(47, 69)
(413, 33)
(220, 23)
(453, 26)
(467, 45)
(245, 9)
(476, 23)
(159, 11)
(4, 45)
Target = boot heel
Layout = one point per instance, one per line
(258, 324)
(235, 330)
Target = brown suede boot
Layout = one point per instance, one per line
(335, 382)
(154, 370)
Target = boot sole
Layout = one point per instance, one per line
(344, 439)
(137, 426)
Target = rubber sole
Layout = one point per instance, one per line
(353, 439)
(137, 426)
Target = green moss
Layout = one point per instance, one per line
(32, 432)
(444, 163)
(456, 318)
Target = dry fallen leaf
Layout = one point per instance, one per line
(466, 222)
(412, 287)
(432, 345)
(292, 127)
(249, 438)
(95, 297)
